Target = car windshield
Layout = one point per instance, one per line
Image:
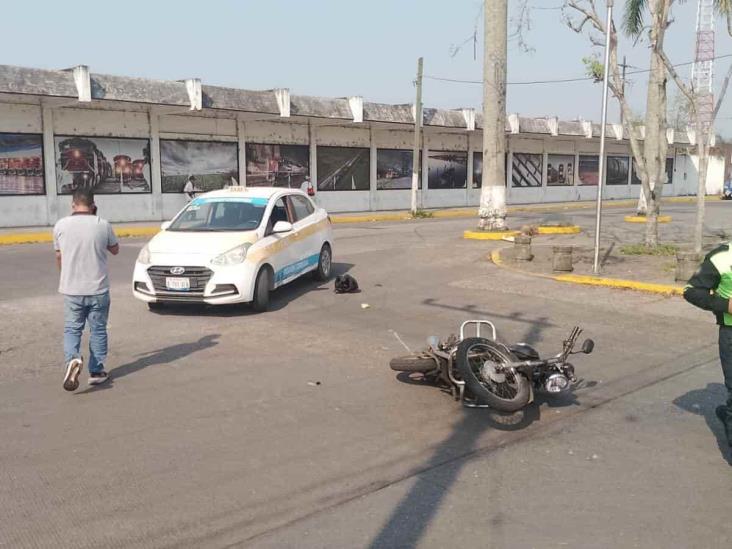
(220, 214)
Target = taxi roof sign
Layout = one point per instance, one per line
(236, 188)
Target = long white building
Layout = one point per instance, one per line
(137, 141)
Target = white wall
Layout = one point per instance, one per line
(154, 125)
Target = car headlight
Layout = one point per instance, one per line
(232, 257)
(144, 255)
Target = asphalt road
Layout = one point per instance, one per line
(222, 428)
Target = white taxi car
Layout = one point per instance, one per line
(235, 245)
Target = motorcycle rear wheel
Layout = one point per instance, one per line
(509, 395)
(421, 362)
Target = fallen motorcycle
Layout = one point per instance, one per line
(485, 373)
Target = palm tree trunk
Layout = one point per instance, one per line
(492, 210)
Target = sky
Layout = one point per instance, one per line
(335, 48)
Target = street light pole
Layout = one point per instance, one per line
(603, 124)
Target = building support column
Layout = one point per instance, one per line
(156, 183)
(372, 169)
(49, 166)
(469, 175)
(242, 136)
(313, 157)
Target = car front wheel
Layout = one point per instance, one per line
(261, 291)
(325, 264)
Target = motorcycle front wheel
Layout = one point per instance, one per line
(504, 391)
(421, 362)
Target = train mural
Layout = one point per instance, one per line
(106, 165)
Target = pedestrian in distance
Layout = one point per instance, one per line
(82, 242)
(710, 289)
(190, 188)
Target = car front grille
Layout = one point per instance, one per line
(198, 277)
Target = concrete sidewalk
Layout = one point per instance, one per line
(32, 235)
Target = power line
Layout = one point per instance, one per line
(555, 81)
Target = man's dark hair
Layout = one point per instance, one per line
(83, 196)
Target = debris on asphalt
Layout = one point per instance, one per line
(313, 383)
(365, 306)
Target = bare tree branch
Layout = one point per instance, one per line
(722, 93)
(688, 91)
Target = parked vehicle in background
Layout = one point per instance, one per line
(235, 246)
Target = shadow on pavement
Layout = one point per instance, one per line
(166, 355)
(279, 298)
(536, 323)
(409, 521)
(702, 402)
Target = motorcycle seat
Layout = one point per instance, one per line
(524, 351)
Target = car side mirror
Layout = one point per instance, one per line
(587, 346)
(164, 225)
(282, 227)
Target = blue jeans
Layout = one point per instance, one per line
(78, 309)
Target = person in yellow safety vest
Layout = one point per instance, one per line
(710, 289)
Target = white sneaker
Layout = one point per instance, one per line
(98, 378)
(73, 369)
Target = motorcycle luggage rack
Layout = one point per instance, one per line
(460, 384)
(478, 324)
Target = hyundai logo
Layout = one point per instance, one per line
(177, 270)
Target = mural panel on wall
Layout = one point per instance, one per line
(21, 164)
(478, 169)
(447, 170)
(616, 172)
(635, 180)
(588, 169)
(560, 170)
(214, 165)
(107, 165)
(394, 169)
(526, 170)
(277, 165)
(343, 168)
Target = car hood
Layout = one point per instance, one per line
(207, 244)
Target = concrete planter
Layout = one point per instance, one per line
(562, 259)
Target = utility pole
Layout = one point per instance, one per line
(624, 66)
(603, 125)
(492, 210)
(417, 135)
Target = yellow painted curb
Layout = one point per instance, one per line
(642, 218)
(615, 283)
(133, 232)
(664, 289)
(370, 218)
(25, 238)
(40, 238)
(447, 214)
(488, 235)
(572, 229)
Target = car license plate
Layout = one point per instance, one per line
(182, 284)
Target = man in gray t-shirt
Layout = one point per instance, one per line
(82, 241)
